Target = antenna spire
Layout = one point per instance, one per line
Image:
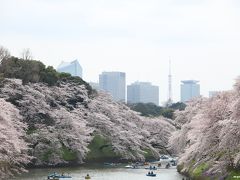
(169, 101)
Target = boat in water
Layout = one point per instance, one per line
(151, 168)
(87, 176)
(151, 174)
(128, 166)
(56, 176)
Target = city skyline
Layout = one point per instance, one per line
(136, 37)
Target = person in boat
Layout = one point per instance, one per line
(168, 165)
(87, 177)
(151, 172)
(148, 172)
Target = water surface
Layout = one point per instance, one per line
(103, 173)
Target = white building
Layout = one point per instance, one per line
(189, 90)
(142, 92)
(73, 68)
(114, 83)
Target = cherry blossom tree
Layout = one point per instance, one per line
(13, 148)
(209, 134)
(63, 119)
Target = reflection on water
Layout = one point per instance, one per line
(102, 173)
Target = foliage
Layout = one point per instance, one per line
(233, 174)
(149, 156)
(31, 130)
(180, 167)
(68, 154)
(146, 109)
(27, 70)
(152, 110)
(47, 155)
(209, 134)
(64, 116)
(35, 71)
(199, 170)
(13, 148)
(168, 113)
(49, 76)
(178, 106)
(4, 53)
(58, 117)
(101, 150)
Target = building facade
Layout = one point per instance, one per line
(189, 90)
(142, 92)
(114, 83)
(74, 68)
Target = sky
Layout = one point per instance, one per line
(202, 38)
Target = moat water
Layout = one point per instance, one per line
(102, 173)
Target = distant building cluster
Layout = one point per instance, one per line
(138, 92)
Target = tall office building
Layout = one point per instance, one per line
(143, 92)
(114, 83)
(189, 90)
(73, 68)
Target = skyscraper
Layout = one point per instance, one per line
(114, 83)
(143, 92)
(189, 90)
(73, 68)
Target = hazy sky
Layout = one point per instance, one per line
(134, 36)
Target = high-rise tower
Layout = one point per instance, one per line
(189, 89)
(114, 83)
(143, 92)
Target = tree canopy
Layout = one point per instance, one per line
(35, 71)
(152, 110)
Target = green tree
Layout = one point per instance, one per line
(27, 70)
(146, 109)
(35, 71)
(4, 53)
(167, 112)
(49, 76)
(179, 105)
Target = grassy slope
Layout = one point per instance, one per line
(101, 150)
